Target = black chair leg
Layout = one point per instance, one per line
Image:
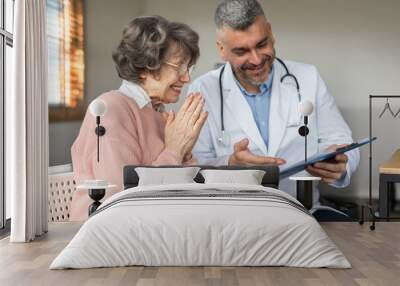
(361, 221)
(392, 195)
(383, 197)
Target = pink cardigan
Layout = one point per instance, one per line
(133, 136)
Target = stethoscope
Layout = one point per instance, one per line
(224, 138)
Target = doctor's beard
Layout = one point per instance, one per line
(265, 68)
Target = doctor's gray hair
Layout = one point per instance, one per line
(237, 14)
(149, 41)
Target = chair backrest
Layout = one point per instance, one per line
(61, 187)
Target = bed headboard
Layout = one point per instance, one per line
(270, 179)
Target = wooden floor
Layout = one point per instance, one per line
(375, 256)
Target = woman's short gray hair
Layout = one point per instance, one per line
(237, 14)
(148, 41)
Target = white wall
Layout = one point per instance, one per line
(104, 21)
(354, 43)
(61, 137)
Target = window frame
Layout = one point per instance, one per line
(6, 39)
(62, 113)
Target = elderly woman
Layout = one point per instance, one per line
(153, 59)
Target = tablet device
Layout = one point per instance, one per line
(287, 171)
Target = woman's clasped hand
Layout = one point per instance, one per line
(183, 128)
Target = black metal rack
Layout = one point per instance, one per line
(369, 206)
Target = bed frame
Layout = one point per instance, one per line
(62, 185)
(270, 179)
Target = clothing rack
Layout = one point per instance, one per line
(369, 206)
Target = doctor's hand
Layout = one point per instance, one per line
(182, 130)
(242, 156)
(330, 170)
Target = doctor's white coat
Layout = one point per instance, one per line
(326, 124)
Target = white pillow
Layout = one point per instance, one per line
(166, 176)
(248, 177)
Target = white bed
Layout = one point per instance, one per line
(203, 225)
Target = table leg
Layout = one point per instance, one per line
(304, 193)
(96, 195)
(383, 197)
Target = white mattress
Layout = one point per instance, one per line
(185, 230)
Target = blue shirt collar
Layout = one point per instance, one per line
(263, 88)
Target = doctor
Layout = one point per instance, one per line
(253, 108)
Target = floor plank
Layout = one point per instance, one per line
(374, 255)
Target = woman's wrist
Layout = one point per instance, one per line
(178, 155)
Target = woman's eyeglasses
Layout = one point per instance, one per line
(182, 69)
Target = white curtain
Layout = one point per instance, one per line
(27, 124)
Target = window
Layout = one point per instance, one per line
(6, 64)
(66, 59)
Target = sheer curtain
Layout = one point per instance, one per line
(27, 124)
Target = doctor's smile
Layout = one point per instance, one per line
(257, 70)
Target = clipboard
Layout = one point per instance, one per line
(287, 171)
